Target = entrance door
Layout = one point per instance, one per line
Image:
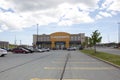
(60, 45)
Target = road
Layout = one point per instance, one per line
(55, 65)
(109, 50)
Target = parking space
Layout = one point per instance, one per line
(51, 66)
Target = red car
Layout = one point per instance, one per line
(20, 50)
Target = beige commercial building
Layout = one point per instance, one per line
(4, 44)
(58, 40)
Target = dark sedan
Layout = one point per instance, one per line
(30, 50)
(20, 50)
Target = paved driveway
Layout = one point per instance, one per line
(109, 50)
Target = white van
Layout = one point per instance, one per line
(3, 52)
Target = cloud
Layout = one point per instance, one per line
(28, 5)
(113, 12)
(102, 14)
(113, 5)
(105, 14)
(98, 17)
(108, 9)
(73, 16)
(5, 4)
(12, 20)
(22, 14)
(3, 28)
(30, 12)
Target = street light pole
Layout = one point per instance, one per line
(118, 32)
(15, 41)
(37, 37)
(20, 42)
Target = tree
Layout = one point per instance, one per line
(95, 38)
(90, 42)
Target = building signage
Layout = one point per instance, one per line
(58, 37)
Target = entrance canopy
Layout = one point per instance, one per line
(60, 37)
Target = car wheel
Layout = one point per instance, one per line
(2, 55)
(24, 52)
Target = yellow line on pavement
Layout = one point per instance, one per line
(55, 79)
(80, 68)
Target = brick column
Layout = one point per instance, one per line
(53, 44)
(67, 44)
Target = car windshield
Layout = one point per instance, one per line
(59, 39)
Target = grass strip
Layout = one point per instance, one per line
(115, 59)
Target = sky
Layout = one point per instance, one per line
(19, 18)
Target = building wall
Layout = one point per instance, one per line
(59, 39)
(77, 37)
(4, 44)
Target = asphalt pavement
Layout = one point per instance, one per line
(109, 50)
(55, 65)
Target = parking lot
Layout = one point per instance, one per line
(55, 65)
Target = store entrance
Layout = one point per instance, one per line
(60, 45)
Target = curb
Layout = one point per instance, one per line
(117, 66)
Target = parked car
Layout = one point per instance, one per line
(38, 50)
(45, 49)
(9, 50)
(64, 48)
(81, 48)
(20, 50)
(71, 49)
(30, 50)
(116, 46)
(3, 52)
